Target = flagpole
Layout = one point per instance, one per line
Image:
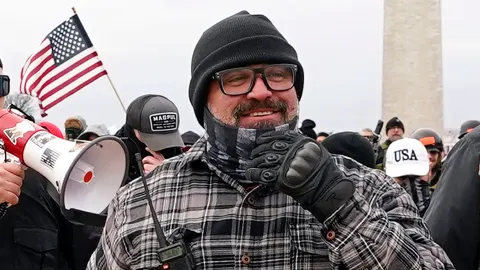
(109, 79)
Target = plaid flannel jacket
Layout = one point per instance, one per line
(226, 227)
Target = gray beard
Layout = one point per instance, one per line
(228, 148)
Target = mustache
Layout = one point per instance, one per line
(245, 107)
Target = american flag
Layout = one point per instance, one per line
(65, 62)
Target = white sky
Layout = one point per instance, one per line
(147, 45)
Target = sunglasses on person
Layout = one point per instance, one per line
(4, 85)
(240, 81)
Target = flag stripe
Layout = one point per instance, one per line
(52, 79)
(70, 80)
(48, 78)
(22, 72)
(35, 64)
(41, 78)
(74, 90)
(42, 52)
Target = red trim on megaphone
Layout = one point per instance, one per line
(15, 131)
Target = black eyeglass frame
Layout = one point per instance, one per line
(218, 77)
(4, 85)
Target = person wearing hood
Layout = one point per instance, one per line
(74, 126)
(93, 131)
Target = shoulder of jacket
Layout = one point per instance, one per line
(384, 146)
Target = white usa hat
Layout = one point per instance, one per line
(407, 157)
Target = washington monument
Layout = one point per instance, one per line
(412, 64)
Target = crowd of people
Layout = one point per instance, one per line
(256, 190)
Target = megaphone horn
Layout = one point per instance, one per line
(85, 175)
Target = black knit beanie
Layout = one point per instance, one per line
(394, 122)
(307, 128)
(308, 123)
(352, 145)
(239, 40)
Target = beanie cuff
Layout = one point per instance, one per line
(266, 49)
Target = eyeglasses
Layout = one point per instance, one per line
(240, 81)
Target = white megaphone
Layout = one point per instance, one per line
(85, 175)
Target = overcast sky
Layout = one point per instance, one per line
(147, 46)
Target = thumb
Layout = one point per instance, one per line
(150, 160)
(155, 154)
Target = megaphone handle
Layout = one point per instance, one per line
(2, 147)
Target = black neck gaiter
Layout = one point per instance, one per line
(229, 148)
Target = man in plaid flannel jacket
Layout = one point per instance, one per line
(255, 193)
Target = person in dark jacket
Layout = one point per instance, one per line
(395, 130)
(454, 213)
(33, 232)
(35, 235)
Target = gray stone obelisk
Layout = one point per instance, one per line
(412, 64)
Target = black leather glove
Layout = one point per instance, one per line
(301, 168)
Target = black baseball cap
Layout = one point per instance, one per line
(157, 120)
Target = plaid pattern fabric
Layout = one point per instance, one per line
(223, 224)
(420, 192)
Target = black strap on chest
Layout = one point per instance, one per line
(175, 256)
